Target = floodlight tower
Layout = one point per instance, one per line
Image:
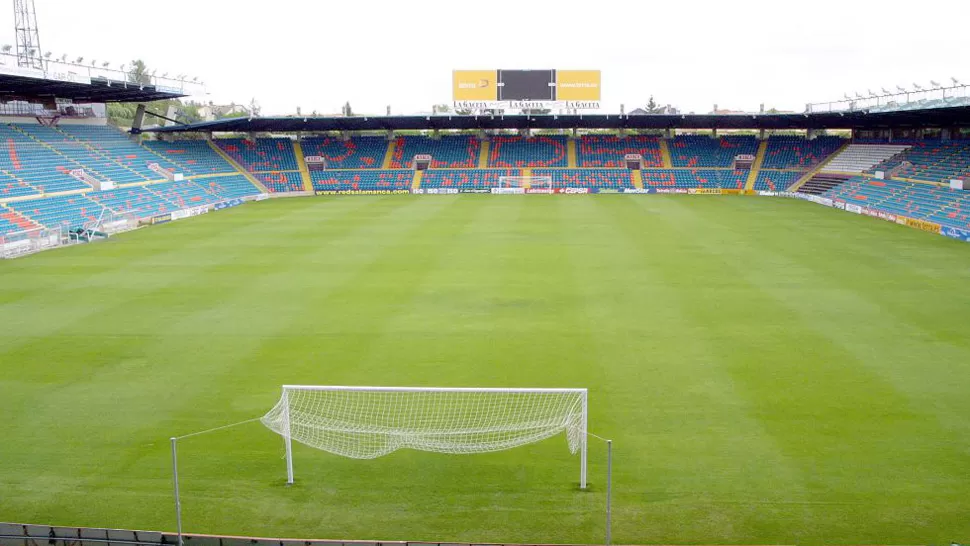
(28, 40)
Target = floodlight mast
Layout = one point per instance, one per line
(28, 37)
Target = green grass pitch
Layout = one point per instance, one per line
(771, 371)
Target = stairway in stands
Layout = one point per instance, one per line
(858, 158)
(823, 182)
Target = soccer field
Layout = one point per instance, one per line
(771, 371)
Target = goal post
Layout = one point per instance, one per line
(370, 422)
(527, 182)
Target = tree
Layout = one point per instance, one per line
(138, 72)
(7, 47)
(441, 109)
(652, 107)
(348, 111)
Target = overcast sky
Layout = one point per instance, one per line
(692, 54)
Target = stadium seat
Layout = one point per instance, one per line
(466, 178)
(932, 161)
(11, 221)
(190, 157)
(519, 152)
(262, 154)
(65, 211)
(694, 178)
(787, 152)
(609, 151)
(587, 178)
(140, 201)
(281, 181)
(228, 187)
(362, 180)
(448, 152)
(355, 153)
(36, 164)
(704, 151)
(920, 201)
(776, 180)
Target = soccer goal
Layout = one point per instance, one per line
(526, 182)
(369, 422)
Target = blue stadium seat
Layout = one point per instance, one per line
(190, 157)
(703, 151)
(362, 180)
(519, 152)
(355, 153)
(448, 152)
(609, 151)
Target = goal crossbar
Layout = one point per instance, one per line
(368, 422)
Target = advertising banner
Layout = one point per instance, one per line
(227, 204)
(507, 191)
(639, 190)
(363, 192)
(474, 85)
(931, 227)
(578, 85)
(704, 191)
(571, 190)
(732, 192)
(436, 191)
(956, 233)
(474, 190)
(162, 218)
(856, 209)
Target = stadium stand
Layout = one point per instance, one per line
(93, 161)
(11, 221)
(184, 194)
(587, 178)
(466, 178)
(228, 187)
(115, 146)
(776, 180)
(858, 158)
(921, 201)
(281, 181)
(930, 161)
(362, 180)
(66, 211)
(191, 157)
(36, 164)
(262, 154)
(448, 152)
(11, 186)
(140, 201)
(515, 151)
(355, 153)
(705, 151)
(787, 152)
(694, 178)
(609, 151)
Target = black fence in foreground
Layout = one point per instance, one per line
(17, 534)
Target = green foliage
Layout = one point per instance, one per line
(771, 371)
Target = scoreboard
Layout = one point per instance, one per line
(526, 89)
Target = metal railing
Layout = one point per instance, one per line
(73, 72)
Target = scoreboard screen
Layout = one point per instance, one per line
(530, 85)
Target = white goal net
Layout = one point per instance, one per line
(533, 182)
(369, 422)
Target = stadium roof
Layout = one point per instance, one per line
(939, 117)
(15, 86)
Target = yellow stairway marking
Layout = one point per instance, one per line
(812, 172)
(759, 159)
(416, 181)
(665, 154)
(483, 154)
(301, 161)
(637, 178)
(571, 154)
(389, 154)
(238, 167)
(526, 172)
